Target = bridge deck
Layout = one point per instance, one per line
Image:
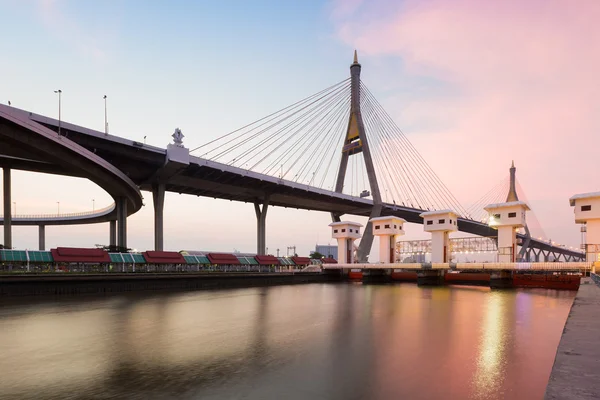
(140, 163)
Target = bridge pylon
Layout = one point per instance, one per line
(506, 218)
(355, 143)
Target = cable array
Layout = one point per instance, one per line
(407, 177)
(496, 195)
(303, 142)
(535, 228)
(297, 143)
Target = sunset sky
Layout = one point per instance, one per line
(473, 84)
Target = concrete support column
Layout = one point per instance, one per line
(261, 226)
(112, 233)
(158, 197)
(387, 248)
(507, 244)
(440, 245)
(7, 210)
(345, 250)
(42, 237)
(122, 222)
(346, 232)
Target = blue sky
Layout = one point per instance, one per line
(210, 67)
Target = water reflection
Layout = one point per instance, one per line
(310, 341)
(492, 346)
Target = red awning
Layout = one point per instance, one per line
(73, 254)
(267, 260)
(223, 259)
(301, 260)
(163, 257)
(328, 260)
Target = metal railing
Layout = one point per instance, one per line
(493, 266)
(100, 211)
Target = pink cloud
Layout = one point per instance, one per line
(526, 77)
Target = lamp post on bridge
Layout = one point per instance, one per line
(93, 205)
(58, 208)
(105, 117)
(59, 107)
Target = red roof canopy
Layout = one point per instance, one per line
(223, 259)
(73, 254)
(329, 260)
(163, 257)
(301, 260)
(267, 260)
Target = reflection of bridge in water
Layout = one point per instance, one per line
(290, 158)
(338, 342)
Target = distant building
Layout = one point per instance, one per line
(327, 250)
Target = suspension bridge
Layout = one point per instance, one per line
(335, 151)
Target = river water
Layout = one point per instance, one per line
(314, 341)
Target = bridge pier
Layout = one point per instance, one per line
(7, 211)
(42, 237)
(112, 229)
(122, 222)
(261, 226)
(376, 275)
(440, 224)
(430, 277)
(158, 197)
(388, 229)
(501, 279)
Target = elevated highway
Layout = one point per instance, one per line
(29, 145)
(122, 167)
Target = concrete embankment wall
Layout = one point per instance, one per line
(576, 370)
(56, 284)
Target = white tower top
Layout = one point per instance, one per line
(387, 225)
(440, 220)
(345, 229)
(511, 213)
(587, 206)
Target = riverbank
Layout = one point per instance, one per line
(70, 284)
(576, 370)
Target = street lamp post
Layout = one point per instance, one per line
(15, 204)
(93, 205)
(59, 101)
(105, 117)
(58, 208)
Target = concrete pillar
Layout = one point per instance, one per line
(261, 226)
(440, 247)
(357, 143)
(112, 233)
(7, 210)
(158, 197)
(42, 237)
(506, 218)
(388, 229)
(507, 244)
(440, 224)
(587, 211)
(122, 222)
(346, 232)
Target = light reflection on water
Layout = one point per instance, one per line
(318, 341)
